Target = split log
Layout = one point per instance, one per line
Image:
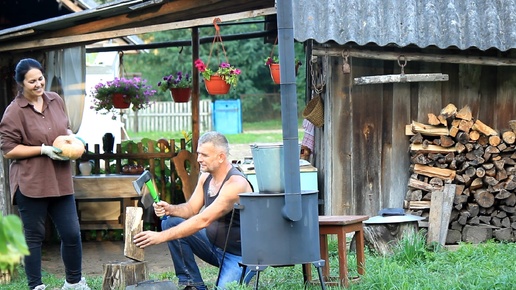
(432, 120)
(465, 125)
(449, 111)
(419, 204)
(429, 130)
(417, 184)
(431, 149)
(476, 234)
(494, 140)
(474, 135)
(434, 172)
(464, 113)
(446, 141)
(484, 129)
(133, 226)
(484, 198)
(509, 137)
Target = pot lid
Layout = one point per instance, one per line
(393, 219)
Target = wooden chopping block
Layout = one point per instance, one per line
(119, 275)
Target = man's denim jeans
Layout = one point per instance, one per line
(187, 271)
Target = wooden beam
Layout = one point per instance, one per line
(99, 36)
(421, 57)
(406, 78)
(71, 5)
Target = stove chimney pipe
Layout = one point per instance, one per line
(293, 204)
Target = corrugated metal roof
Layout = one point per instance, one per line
(464, 24)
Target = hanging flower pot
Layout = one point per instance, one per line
(216, 85)
(275, 72)
(180, 95)
(119, 102)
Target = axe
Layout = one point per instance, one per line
(146, 179)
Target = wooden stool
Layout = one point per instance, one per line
(340, 226)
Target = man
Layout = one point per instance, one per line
(189, 231)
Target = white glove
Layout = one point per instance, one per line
(53, 152)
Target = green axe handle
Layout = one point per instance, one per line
(152, 191)
(153, 194)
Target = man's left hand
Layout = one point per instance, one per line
(147, 238)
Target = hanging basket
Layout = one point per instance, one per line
(216, 85)
(314, 111)
(275, 72)
(119, 102)
(180, 95)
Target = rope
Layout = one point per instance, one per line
(215, 38)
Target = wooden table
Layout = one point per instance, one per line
(340, 226)
(105, 188)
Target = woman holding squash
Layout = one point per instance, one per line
(40, 176)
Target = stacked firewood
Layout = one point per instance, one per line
(455, 148)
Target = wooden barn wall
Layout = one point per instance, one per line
(365, 159)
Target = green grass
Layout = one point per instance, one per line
(262, 132)
(412, 266)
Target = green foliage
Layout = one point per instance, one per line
(12, 242)
(225, 70)
(411, 248)
(259, 95)
(179, 80)
(472, 267)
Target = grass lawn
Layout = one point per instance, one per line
(263, 132)
(412, 266)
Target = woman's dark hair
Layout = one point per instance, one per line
(24, 66)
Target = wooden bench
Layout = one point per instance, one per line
(102, 189)
(340, 226)
(108, 187)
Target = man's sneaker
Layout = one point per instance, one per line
(81, 285)
(40, 287)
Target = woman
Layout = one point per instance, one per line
(40, 178)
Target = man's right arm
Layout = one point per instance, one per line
(189, 208)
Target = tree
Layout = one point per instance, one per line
(255, 85)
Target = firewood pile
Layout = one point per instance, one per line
(454, 148)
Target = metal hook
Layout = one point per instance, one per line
(403, 77)
(404, 63)
(215, 21)
(346, 68)
(181, 50)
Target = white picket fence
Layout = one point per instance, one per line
(169, 116)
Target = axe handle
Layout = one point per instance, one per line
(152, 191)
(154, 194)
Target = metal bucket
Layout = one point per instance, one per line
(268, 238)
(269, 166)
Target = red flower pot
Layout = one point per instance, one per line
(275, 72)
(119, 102)
(216, 85)
(180, 95)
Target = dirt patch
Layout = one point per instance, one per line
(96, 254)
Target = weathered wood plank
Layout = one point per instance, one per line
(406, 78)
(440, 210)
